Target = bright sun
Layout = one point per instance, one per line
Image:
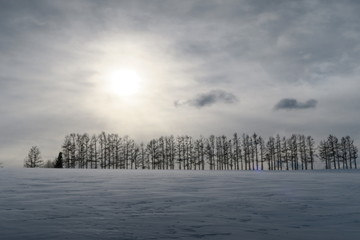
(124, 82)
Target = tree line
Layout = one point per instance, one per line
(239, 152)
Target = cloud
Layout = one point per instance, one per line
(53, 55)
(208, 99)
(293, 104)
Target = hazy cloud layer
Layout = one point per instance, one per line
(208, 99)
(293, 104)
(55, 56)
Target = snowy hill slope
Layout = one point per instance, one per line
(113, 204)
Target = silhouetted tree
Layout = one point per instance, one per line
(294, 152)
(210, 151)
(310, 150)
(33, 159)
(180, 151)
(171, 151)
(214, 153)
(262, 152)
(334, 153)
(285, 152)
(143, 163)
(153, 151)
(199, 150)
(324, 153)
(270, 147)
(246, 151)
(93, 152)
(237, 151)
(59, 161)
(352, 152)
(278, 154)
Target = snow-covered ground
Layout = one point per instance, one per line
(114, 204)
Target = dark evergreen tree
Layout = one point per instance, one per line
(59, 161)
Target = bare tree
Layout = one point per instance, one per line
(179, 148)
(294, 152)
(214, 153)
(310, 150)
(324, 153)
(33, 159)
(153, 151)
(353, 152)
(171, 151)
(278, 152)
(210, 151)
(270, 147)
(285, 152)
(237, 151)
(262, 152)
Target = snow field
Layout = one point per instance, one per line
(125, 204)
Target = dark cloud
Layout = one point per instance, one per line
(208, 99)
(291, 103)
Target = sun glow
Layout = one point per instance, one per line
(124, 82)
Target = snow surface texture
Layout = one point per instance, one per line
(115, 204)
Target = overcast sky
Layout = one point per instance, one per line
(205, 67)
